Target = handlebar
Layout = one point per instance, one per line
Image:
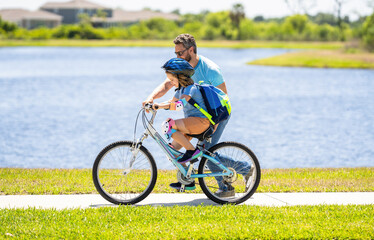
(149, 106)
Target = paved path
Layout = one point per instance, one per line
(260, 199)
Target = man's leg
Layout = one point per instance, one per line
(215, 138)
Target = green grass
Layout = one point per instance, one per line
(169, 43)
(76, 181)
(320, 59)
(191, 222)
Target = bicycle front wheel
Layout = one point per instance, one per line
(123, 175)
(241, 185)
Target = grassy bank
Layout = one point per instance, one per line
(320, 59)
(73, 181)
(169, 43)
(187, 222)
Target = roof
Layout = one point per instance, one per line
(74, 4)
(39, 14)
(13, 15)
(120, 15)
(16, 15)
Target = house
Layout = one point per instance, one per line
(123, 18)
(31, 19)
(71, 10)
(52, 14)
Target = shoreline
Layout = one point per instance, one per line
(310, 54)
(319, 59)
(169, 43)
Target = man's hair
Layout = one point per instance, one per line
(187, 40)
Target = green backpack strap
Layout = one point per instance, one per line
(202, 110)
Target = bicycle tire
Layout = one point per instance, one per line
(118, 183)
(241, 154)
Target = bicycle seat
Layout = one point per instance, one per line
(204, 135)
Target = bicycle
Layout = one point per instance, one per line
(125, 172)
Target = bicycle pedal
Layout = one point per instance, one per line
(194, 160)
(182, 188)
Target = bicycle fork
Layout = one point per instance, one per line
(135, 149)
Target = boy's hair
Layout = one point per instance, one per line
(184, 81)
(187, 40)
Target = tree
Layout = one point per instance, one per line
(219, 26)
(338, 6)
(7, 26)
(237, 14)
(100, 13)
(368, 33)
(247, 30)
(322, 18)
(259, 19)
(176, 11)
(84, 19)
(300, 6)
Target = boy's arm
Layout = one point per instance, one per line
(159, 91)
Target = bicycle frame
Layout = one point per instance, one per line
(173, 155)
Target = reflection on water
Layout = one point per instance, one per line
(60, 106)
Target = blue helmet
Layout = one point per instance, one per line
(179, 66)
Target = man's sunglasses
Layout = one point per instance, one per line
(180, 53)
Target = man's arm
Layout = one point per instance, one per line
(159, 91)
(222, 86)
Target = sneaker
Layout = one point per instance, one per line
(248, 179)
(190, 155)
(178, 186)
(225, 193)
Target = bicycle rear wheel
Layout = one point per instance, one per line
(238, 187)
(122, 177)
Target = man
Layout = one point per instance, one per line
(205, 71)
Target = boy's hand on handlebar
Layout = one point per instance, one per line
(149, 102)
(155, 106)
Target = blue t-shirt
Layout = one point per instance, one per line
(208, 72)
(193, 92)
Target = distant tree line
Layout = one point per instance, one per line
(224, 25)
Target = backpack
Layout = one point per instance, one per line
(216, 101)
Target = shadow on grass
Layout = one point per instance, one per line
(195, 202)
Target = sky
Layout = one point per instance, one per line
(266, 8)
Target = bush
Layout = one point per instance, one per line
(7, 27)
(294, 27)
(40, 33)
(368, 33)
(160, 28)
(247, 30)
(82, 31)
(117, 33)
(219, 26)
(193, 28)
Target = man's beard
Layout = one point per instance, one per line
(188, 57)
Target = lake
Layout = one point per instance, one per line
(60, 106)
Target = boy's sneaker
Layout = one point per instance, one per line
(178, 186)
(247, 178)
(190, 155)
